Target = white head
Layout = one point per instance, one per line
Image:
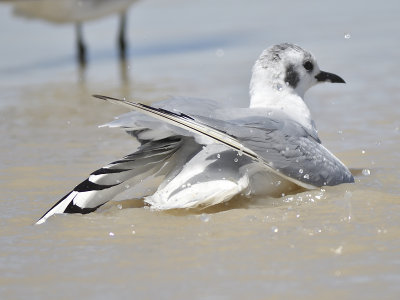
(281, 76)
(287, 68)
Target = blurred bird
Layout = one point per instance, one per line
(197, 153)
(77, 11)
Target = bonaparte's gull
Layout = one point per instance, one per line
(197, 153)
(76, 11)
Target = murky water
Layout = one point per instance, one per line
(338, 242)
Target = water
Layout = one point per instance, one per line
(337, 242)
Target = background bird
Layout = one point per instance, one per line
(77, 12)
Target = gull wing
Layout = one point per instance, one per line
(282, 145)
(105, 183)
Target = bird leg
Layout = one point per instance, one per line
(121, 37)
(81, 48)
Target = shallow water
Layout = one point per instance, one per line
(337, 242)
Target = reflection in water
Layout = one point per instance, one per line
(123, 63)
(124, 75)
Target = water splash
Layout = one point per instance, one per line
(274, 229)
(205, 218)
(366, 172)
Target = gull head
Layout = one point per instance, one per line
(287, 69)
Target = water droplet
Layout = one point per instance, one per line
(278, 183)
(119, 206)
(127, 186)
(298, 216)
(218, 155)
(338, 250)
(133, 231)
(301, 171)
(347, 36)
(235, 160)
(251, 218)
(366, 172)
(205, 218)
(219, 53)
(363, 151)
(111, 234)
(274, 229)
(278, 86)
(283, 194)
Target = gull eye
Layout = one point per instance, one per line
(308, 66)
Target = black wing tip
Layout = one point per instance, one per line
(75, 209)
(107, 98)
(100, 97)
(167, 112)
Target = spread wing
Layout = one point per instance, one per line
(280, 144)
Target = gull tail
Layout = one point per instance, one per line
(105, 183)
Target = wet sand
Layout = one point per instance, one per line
(336, 242)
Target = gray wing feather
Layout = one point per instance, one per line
(287, 147)
(281, 144)
(105, 183)
(145, 128)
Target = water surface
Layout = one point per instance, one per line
(337, 242)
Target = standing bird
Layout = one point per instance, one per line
(77, 11)
(197, 153)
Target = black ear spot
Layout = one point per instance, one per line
(291, 77)
(308, 65)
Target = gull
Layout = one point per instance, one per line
(198, 152)
(76, 11)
